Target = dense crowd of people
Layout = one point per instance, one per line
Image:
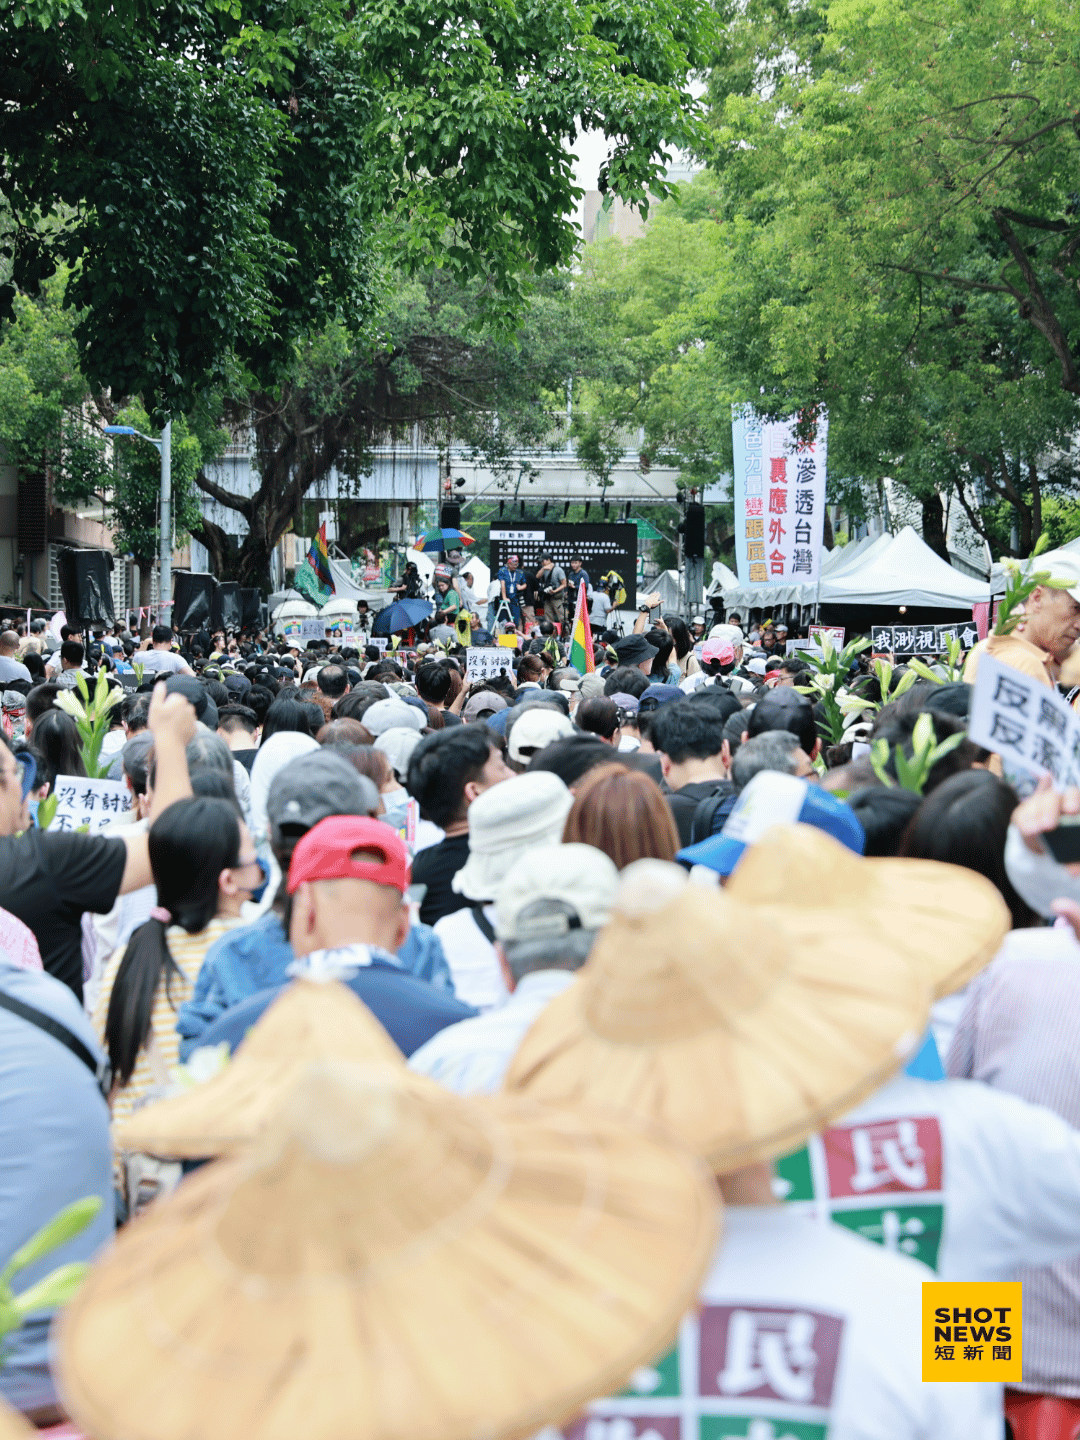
(635, 948)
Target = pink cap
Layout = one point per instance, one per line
(721, 650)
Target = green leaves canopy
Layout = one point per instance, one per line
(215, 173)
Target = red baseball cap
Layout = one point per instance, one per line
(326, 853)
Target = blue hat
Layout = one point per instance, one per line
(772, 798)
(657, 695)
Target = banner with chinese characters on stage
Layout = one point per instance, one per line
(779, 498)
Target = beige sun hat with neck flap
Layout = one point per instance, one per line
(740, 1028)
(949, 920)
(389, 1261)
(311, 1020)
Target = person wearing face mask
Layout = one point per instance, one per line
(204, 865)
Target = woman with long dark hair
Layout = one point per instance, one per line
(57, 747)
(684, 646)
(204, 865)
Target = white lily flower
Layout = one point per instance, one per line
(67, 702)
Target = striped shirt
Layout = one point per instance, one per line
(1020, 1032)
(188, 952)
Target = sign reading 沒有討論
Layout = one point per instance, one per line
(487, 662)
(920, 639)
(94, 803)
(1032, 728)
(779, 496)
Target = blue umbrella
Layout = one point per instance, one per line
(401, 615)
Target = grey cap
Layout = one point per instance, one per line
(313, 787)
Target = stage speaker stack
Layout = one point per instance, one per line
(193, 601)
(694, 534)
(252, 607)
(228, 606)
(86, 586)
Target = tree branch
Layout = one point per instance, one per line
(224, 497)
(1038, 309)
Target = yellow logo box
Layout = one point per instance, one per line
(972, 1330)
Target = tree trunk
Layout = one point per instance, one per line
(933, 525)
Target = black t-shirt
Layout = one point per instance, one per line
(435, 867)
(246, 758)
(49, 880)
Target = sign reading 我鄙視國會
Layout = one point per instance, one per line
(779, 496)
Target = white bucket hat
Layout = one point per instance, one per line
(506, 821)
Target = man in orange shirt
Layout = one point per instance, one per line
(1047, 633)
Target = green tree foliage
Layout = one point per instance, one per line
(221, 176)
(46, 412)
(429, 361)
(137, 489)
(888, 226)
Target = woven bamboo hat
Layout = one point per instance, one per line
(949, 920)
(310, 1020)
(389, 1261)
(741, 1028)
(13, 1426)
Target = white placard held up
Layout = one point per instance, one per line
(1029, 725)
(486, 662)
(95, 803)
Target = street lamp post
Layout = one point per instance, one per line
(164, 446)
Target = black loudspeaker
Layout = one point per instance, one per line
(85, 586)
(227, 610)
(694, 534)
(252, 605)
(450, 517)
(193, 599)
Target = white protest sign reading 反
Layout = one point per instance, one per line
(486, 662)
(1029, 725)
(96, 803)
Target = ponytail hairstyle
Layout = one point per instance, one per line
(191, 843)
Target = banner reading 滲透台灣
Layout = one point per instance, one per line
(779, 495)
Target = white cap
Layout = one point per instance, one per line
(536, 729)
(579, 876)
(1063, 566)
(397, 745)
(506, 821)
(731, 633)
(757, 665)
(391, 715)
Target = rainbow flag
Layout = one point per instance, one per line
(581, 648)
(318, 557)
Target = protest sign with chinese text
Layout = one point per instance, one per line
(919, 639)
(779, 495)
(486, 662)
(1032, 728)
(93, 803)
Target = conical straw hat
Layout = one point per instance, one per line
(310, 1020)
(13, 1426)
(389, 1261)
(741, 1029)
(950, 920)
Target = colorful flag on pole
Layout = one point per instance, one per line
(581, 646)
(318, 557)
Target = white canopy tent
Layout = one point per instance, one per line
(877, 570)
(902, 571)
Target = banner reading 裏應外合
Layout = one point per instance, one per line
(779, 496)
